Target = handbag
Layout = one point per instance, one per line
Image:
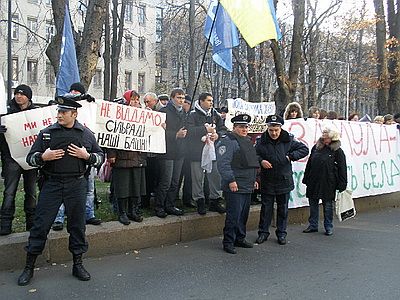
(344, 205)
(105, 172)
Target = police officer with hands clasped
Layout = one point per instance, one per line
(237, 163)
(63, 152)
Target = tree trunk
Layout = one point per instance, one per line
(251, 70)
(382, 68)
(295, 57)
(90, 45)
(107, 58)
(118, 32)
(394, 72)
(192, 54)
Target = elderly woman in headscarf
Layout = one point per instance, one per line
(325, 172)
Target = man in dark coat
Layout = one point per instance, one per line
(237, 164)
(276, 150)
(204, 125)
(171, 162)
(12, 171)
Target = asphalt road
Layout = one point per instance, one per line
(360, 261)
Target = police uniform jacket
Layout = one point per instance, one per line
(196, 130)
(326, 171)
(279, 179)
(56, 136)
(237, 161)
(174, 121)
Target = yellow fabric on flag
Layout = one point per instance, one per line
(253, 18)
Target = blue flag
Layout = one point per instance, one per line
(224, 35)
(68, 72)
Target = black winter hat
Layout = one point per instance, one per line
(77, 86)
(24, 90)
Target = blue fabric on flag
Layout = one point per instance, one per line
(224, 36)
(68, 69)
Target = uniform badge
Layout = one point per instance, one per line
(222, 150)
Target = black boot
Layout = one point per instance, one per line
(201, 207)
(122, 217)
(132, 210)
(215, 205)
(5, 227)
(27, 274)
(78, 270)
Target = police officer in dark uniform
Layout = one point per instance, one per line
(63, 151)
(237, 163)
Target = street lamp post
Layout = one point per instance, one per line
(9, 54)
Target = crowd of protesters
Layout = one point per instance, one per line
(196, 141)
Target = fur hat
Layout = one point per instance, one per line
(332, 134)
(77, 86)
(293, 106)
(24, 90)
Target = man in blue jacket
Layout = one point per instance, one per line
(237, 163)
(276, 149)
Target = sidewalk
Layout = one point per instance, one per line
(114, 238)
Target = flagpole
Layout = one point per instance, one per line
(204, 55)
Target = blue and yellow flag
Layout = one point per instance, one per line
(255, 19)
(68, 72)
(224, 35)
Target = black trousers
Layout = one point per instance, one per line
(237, 213)
(72, 192)
(267, 209)
(12, 173)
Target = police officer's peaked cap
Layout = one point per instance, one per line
(274, 120)
(241, 119)
(65, 103)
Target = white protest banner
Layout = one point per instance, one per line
(22, 130)
(372, 155)
(258, 112)
(3, 96)
(129, 128)
(23, 127)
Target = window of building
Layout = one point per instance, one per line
(15, 69)
(15, 27)
(142, 47)
(159, 23)
(141, 81)
(97, 78)
(128, 80)
(32, 70)
(142, 14)
(158, 58)
(129, 11)
(174, 63)
(158, 76)
(128, 47)
(50, 30)
(50, 78)
(32, 26)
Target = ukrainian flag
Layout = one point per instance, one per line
(255, 19)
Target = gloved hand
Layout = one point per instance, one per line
(3, 129)
(88, 97)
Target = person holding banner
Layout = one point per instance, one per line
(325, 172)
(237, 163)
(276, 149)
(12, 171)
(129, 178)
(63, 151)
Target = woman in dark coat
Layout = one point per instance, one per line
(326, 172)
(128, 175)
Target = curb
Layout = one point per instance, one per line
(114, 238)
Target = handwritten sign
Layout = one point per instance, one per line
(258, 112)
(134, 129)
